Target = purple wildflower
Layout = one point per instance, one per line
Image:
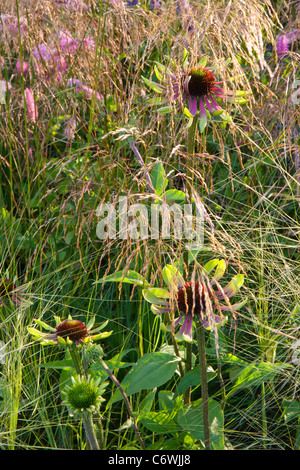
(71, 5)
(10, 24)
(70, 128)
(285, 40)
(49, 62)
(185, 12)
(80, 88)
(155, 4)
(131, 3)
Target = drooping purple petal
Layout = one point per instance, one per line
(193, 105)
(210, 108)
(216, 319)
(176, 321)
(214, 103)
(233, 307)
(158, 309)
(202, 109)
(186, 331)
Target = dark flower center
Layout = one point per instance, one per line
(191, 299)
(82, 396)
(74, 329)
(199, 81)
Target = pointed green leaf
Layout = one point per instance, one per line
(129, 277)
(156, 296)
(172, 277)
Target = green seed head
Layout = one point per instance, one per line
(83, 396)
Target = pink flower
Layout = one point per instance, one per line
(50, 62)
(10, 24)
(71, 5)
(67, 43)
(80, 88)
(285, 40)
(70, 128)
(30, 105)
(18, 67)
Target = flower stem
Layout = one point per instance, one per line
(87, 420)
(191, 151)
(190, 175)
(204, 385)
(119, 387)
(90, 432)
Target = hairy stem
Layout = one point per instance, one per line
(87, 420)
(204, 384)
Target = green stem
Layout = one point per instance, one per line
(87, 420)
(119, 387)
(190, 174)
(90, 431)
(204, 384)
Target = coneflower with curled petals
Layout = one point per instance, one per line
(69, 331)
(197, 86)
(196, 299)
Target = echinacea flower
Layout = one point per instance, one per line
(83, 396)
(197, 86)
(285, 40)
(69, 331)
(195, 300)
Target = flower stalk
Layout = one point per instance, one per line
(204, 384)
(87, 420)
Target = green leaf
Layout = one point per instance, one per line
(158, 178)
(129, 277)
(291, 410)
(152, 370)
(165, 110)
(172, 277)
(161, 422)
(193, 378)
(153, 85)
(190, 419)
(174, 195)
(156, 296)
(210, 265)
(202, 124)
(252, 375)
(66, 364)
